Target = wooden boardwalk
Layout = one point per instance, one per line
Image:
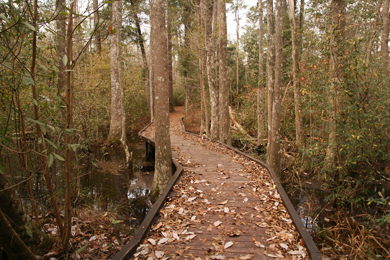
(223, 206)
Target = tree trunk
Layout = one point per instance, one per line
(117, 99)
(144, 59)
(224, 120)
(270, 70)
(14, 223)
(238, 45)
(210, 67)
(385, 34)
(68, 138)
(335, 100)
(163, 157)
(98, 40)
(170, 72)
(295, 71)
(260, 111)
(274, 157)
(205, 125)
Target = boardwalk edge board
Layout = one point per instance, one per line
(311, 247)
(130, 248)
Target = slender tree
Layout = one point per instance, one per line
(385, 33)
(337, 78)
(270, 70)
(274, 152)
(68, 137)
(210, 67)
(260, 111)
(295, 72)
(98, 40)
(224, 119)
(205, 122)
(169, 44)
(163, 157)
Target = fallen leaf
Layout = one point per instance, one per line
(190, 237)
(191, 199)
(217, 223)
(246, 257)
(176, 236)
(284, 246)
(163, 240)
(93, 238)
(226, 209)
(223, 202)
(152, 241)
(228, 244)
(159, 254)
(295, 252)
(217, 257)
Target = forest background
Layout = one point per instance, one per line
(326, 105)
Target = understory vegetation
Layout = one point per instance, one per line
(339, 176)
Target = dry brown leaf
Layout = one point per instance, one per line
(246, 257)
(217, 223)
(228, 244)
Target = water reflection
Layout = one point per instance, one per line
(112, 187)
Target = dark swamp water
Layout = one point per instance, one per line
(110, 186)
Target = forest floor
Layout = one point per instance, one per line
(223, 206)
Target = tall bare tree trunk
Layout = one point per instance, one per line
(144, 59)
(295, 71)
(163, 163)
(205, 123)
(117, 98)
(270, 70)
(335, 100)
(98, 40)
(274, 157)
(224, 119)
(68, 138)
(237, 13)
(385, 34)
(260, 111)
(210, 67)
(170, 72)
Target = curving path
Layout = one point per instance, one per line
(223, 206)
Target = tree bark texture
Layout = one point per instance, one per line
(210, 67)
(274, 157)
(260, 111)
(224, 119)
(144, 59)
(170, 69)
(98, 40)
(117, 96)
(237, 13)
(205, 122)
(385, 33)
(299, 136)
(163, 156)
(270, 70)
(336, 73)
